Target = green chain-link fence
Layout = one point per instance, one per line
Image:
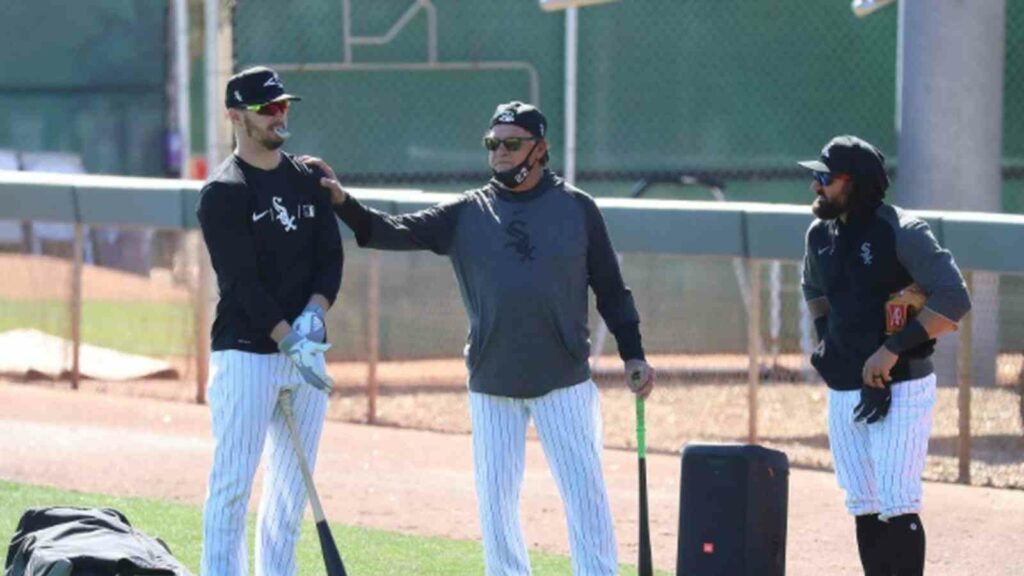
(86, 78)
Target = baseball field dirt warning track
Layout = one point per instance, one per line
(73, 440)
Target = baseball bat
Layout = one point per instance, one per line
(332, 558)
(644, 565)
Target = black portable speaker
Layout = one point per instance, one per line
(733, 500)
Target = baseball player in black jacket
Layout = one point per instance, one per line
(275, 247)
(880, 289)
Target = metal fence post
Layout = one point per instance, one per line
(964, 345)
(753, 347)
(202, 316)
(78, 249)
(372, 335)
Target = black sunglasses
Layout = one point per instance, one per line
(824, 178)
(511, 144)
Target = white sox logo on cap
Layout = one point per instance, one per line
(507, 117)
(274, 81)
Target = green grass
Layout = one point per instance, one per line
(147, 328)
(365, 551)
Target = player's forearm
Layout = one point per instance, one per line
(627, 336)
(934, 270)
(614, 299)
(327, 282)
(429, 229)
(329, 264)
(356, 217)
(934, 323)
(281, 329)
(375, 229)
(330, 256)
(263, 311)
(927, 325)
(241, 286)
(950, 301)
(321, 301)
(618, 310)
(819, 309)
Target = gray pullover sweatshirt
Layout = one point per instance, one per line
(523, 262)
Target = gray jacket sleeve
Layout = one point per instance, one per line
(809, 281)
(428, 229)
(933, 269)
(614, 298)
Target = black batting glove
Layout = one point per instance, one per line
(874, 404)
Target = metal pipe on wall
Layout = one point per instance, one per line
(950, 113)
(571, 44)
(963, 400)
(182, 82)
(753, 348)
(216, 48)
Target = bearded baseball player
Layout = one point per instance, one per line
(275, 248)
(880, 289)
(525, 248)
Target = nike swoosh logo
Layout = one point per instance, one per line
(257, 217)
(822, 250)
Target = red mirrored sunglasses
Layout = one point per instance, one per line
(269, 109)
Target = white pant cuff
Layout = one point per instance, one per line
(898, 511)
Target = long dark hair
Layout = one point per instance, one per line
(865, 196)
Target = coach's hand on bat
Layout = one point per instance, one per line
(330, 181)
(307, 356)
(876, 371)
(640, 377)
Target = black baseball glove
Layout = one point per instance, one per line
(874, 404)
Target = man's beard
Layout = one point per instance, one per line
(826, 209)
(268, 139)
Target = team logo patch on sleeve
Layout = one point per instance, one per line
(902, 307)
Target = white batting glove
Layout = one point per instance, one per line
(310, 324)
(307, 356)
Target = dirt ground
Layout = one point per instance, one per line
(162, 449)
(49, 278)
(428, 395)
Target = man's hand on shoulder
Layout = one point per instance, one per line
(329, 180)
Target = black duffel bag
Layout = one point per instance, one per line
(65, 541)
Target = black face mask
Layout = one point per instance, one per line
(517, 174)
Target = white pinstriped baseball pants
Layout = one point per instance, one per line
(243, 390)
(568, 423)
(879, 466)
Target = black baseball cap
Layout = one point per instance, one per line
(256, 85)
(526, 116)
(851, 155)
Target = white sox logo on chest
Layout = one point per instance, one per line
(865, 253)
(282, 215)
